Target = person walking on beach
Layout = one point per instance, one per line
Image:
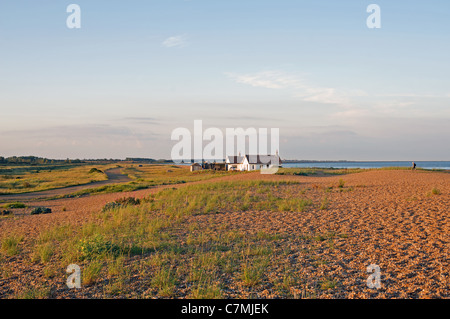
(413, 165)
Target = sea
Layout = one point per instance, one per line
(375, 164)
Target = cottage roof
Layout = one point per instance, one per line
(235, 159)
(263, 159)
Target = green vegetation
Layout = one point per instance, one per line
(435, 191)
(318, 171)
(15, 205)
(16, 179)
(164, 279)
(41, 210)
(35, 161)
(170, 244)
(324, 204)
(43, 252)
(10, 244)
(207, 291)
(253, 272)
(91, 272)
(6, 213)
(96, 247)
(95, 170)
(34, 293)
(159, 243)
(115, 188)
(122, 202)
(328, 284)
(228, 196)
(147, 176)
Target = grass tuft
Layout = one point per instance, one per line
(324, 204)
(253, 271)
(435, 191)
(91, 273)
(10, 244)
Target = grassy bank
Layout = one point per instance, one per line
(25, 179)
(161, 249)
(147, 176)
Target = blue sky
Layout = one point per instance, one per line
(136, 70)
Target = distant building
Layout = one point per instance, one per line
(257, 162)
(234, 163)
(215, 166)
(252, 162)
(196, 167)
(241, 163)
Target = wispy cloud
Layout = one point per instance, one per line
(297, 86)
(351, 103)
(142, 120)
(268, 79)
(178, 41)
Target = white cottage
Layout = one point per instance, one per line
(252, 162)
(257, 162)
(234, 163)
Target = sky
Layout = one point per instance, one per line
(136, 70)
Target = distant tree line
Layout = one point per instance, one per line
(147, 160)
(34, 160)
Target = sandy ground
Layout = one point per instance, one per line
(389, 219)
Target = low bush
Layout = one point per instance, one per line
(5, 213)
(435, 191)
(121, 202)
(128, 201)
(110, 206)
(41, 210)
(96, 247)
(95, 170)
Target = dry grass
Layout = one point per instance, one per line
(266, 237)
(150, 175)
(16, 180)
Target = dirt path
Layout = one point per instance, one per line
(114, 177)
